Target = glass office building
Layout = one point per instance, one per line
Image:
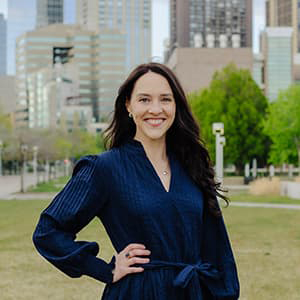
(211, 23)
(2, 45)
(278, 56)
(99, 57)
(49, 12)
(131, 17)
(285, 13)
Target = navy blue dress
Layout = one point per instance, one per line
(191, 257)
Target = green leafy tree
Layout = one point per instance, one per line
(83, 143)
(283, 127)
(5, 126)
(233, 98)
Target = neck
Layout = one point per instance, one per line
(155, 149)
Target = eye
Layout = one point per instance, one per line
(166, 99)
(143, 99)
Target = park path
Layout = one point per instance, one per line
(266, 205)
(12, 184)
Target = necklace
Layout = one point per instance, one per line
(165, 172)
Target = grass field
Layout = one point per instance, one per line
(246, 197)
(51, 186)
(266, 243)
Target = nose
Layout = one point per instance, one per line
(155, 107)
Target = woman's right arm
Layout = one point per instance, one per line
(72, 209)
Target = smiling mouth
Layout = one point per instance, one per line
(154, 122)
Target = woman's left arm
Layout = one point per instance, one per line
(72, 209)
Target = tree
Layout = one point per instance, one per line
(283, 126)
(5, 126)
(233, 98)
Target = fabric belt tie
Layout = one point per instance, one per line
(197, 270)
(190, 273)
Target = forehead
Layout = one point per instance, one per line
(152, 83)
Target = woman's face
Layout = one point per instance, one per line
(152, 106)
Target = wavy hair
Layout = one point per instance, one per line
(183, 137)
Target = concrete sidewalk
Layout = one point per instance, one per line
(10, 187)
(30, 196)
(12, 184)
(265, 205)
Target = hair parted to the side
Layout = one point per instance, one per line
(183, 137)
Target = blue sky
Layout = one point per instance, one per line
(160, 22)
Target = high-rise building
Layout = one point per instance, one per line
(53, 99)
(2, 45)
(7, 94)
(49, 12)
(20, 18)
(131, 17)
(285, 13)
(278, 60)
(210, 24)
(98, 56)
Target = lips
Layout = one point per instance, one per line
(154, 121)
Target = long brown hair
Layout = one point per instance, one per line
(183, 137)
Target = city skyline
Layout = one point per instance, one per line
(160, 22)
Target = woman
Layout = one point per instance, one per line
(155, 194)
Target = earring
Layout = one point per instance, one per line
(130, 115)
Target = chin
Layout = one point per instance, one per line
(154, 135)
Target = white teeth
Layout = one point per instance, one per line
(154, 121)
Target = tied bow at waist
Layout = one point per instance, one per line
(190, 273)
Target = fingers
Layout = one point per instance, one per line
(130, 256)
(133, 246)
(135, 270)
(139, 252)
(138, 260)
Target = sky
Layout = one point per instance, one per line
(160, 22)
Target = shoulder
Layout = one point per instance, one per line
(102, 162)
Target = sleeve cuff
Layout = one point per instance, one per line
(98, 269)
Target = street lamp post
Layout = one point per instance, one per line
(218, 131)
(34, 162)
(24, 149)
(1, 147)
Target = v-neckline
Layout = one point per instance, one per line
(157, 176)
(138, 144)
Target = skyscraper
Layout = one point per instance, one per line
(2, 45)
(20, 18)
(285, 13)
(133, 17)
(99, 57)
(210, 23)
(49, 12)
(278, 60)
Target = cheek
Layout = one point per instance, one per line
(172, 111)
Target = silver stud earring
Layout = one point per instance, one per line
(130, 115)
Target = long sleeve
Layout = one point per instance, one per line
(218, 251)
(72, 209)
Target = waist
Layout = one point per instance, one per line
(189, 274)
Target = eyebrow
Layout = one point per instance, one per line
(145, 94)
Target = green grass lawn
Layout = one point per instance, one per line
(52, 186)
(266, 243)
(246, 197)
